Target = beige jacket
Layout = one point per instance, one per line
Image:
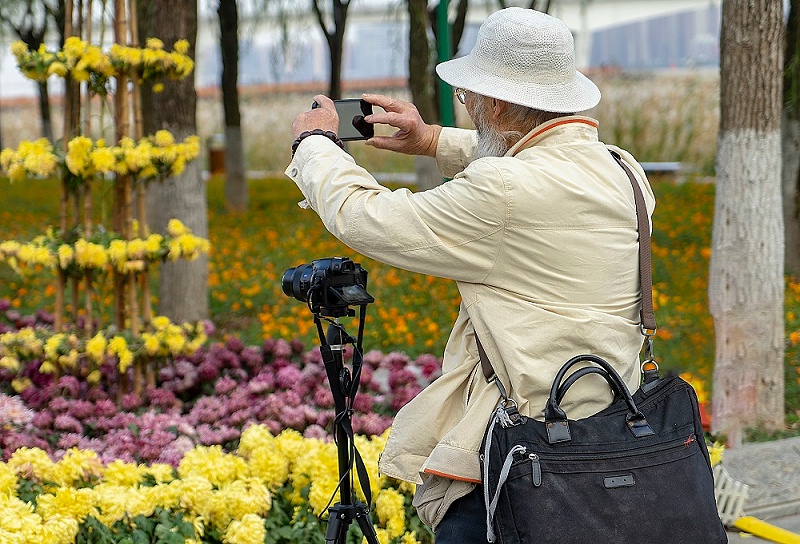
(544, 248)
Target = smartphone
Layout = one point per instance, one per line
(351, 119)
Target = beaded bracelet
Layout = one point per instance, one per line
(317, 132)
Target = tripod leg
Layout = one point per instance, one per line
(339, 519)
(365, 523)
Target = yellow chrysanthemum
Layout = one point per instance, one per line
(389, 505)
(249, 530)
(31, 463)
(96, 347)
(66, 501)
(213, 464)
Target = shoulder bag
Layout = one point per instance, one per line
(638, 471)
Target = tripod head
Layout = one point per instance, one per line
(331, 287)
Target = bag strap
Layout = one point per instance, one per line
(647, 313)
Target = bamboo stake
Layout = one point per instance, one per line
(141, 196)
(64, 202)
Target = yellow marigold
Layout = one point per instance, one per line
(96, 347)
(249, 530)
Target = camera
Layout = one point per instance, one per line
(329, 286)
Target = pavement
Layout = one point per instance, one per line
(771, 471)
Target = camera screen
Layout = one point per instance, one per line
(351, 119)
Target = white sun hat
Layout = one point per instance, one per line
(525, 57)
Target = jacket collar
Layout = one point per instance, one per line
(558, 131)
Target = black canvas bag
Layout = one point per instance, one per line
(638, 471)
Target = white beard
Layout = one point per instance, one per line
(491, 142)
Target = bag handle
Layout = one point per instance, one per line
(556, 420)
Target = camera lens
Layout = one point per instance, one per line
(296, 281)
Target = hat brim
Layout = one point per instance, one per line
(578, 94)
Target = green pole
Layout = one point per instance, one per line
(444, 54)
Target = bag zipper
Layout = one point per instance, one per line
(536, 458)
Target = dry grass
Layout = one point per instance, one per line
(670, 116)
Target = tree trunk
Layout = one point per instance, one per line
(791, 141)
(236, 196)
(44, 109)
(746, 284)
(422, 85)
(183, 285)
(335, 39)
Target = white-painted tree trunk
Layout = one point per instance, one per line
(746, 284)
(183, 285)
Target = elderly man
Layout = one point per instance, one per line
(537, 227)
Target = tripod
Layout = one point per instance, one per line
(344, 387)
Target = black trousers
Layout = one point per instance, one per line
(465, 520)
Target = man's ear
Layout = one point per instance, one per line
(499, 108)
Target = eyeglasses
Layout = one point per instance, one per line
(460, 94)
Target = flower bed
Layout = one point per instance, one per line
(231, 445)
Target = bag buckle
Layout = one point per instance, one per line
(649, 367)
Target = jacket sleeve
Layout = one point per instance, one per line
(455, 150)
(453, 231)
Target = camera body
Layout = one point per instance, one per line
(329, 286)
